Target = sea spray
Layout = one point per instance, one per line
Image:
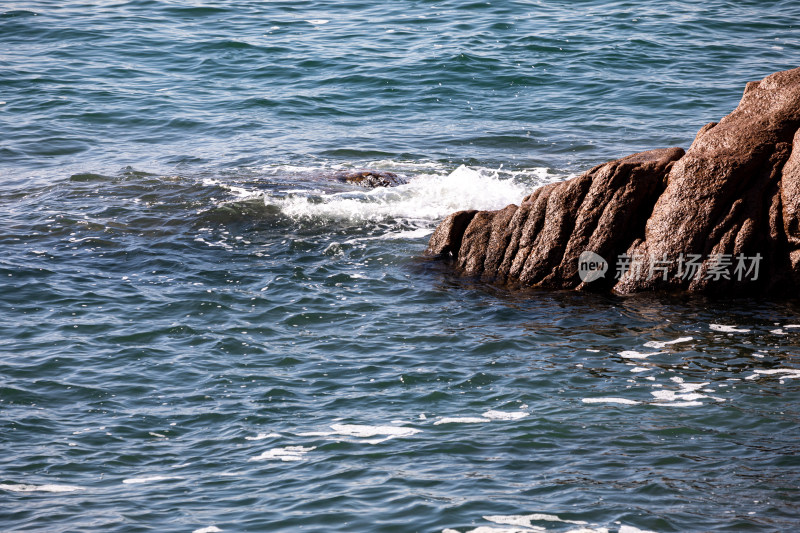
(425, 198)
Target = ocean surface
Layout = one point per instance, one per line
(201, 330)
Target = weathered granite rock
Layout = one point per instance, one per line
(722, 218)
(370, 178)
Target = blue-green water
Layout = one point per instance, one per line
(200, 330)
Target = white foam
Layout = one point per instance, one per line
(427, 197)
(209, 529)
(410, 234)
(391, 235)
(662, 344)
(639, 369)
(488, 529)
(402, 166)
(318, 22)
(287, 453)
(505, 415)
(40, 488)
(778, 371)
(461, 420)
(783, 373)
(525, 520)
(148, 479)
(240, 193)
(244, 194)
(673, 396)
(631, 354)
(678, 404)
(623, 401)
(262, 436)
(523, 524)
(728, 329)
(691, 387)
(525, 529)
(364, 433)
(631, 529)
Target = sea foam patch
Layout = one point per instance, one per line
(623, 401)
(364, 433)
(664, 344)
(489, 529)
(633, 354)
(461, 420)
(525, 524)
(671, 396)
(678, 404)
(25, 487)
(722, 328)
(262, 436)
(426, 197)
(685, 396)
(286, 454)
(526, 520)
(504, 415)
(780, 373)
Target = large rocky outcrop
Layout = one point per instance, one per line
(723, 217)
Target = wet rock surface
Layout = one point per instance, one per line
(720, 218)
(370, 178)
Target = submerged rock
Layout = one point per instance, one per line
(370, 178)
(722, 218)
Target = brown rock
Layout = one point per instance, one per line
(370, 178)
(446, 240)
(724, 199)
(729, 208)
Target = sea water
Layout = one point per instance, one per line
(202, 330)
